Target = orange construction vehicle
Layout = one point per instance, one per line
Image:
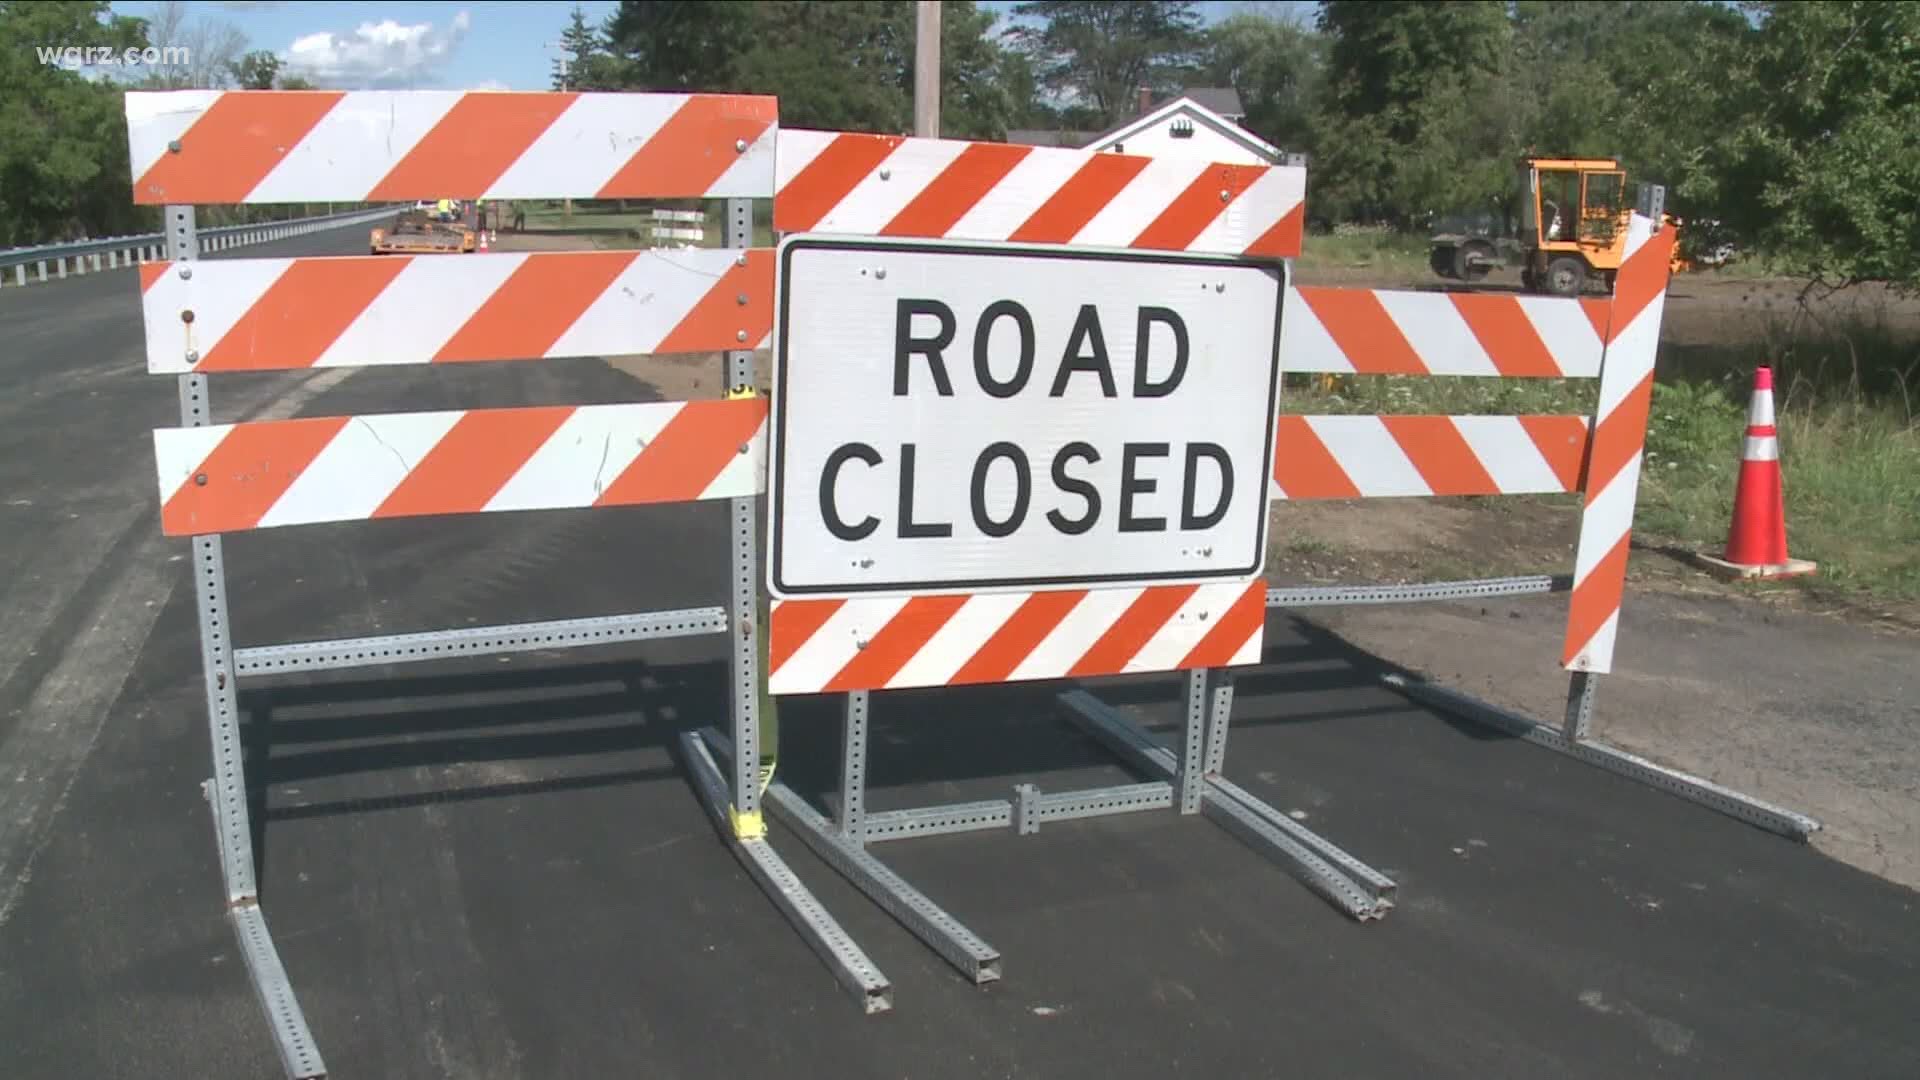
(422, 231)
(1573, 229)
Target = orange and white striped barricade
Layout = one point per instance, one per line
(1388, 332)
(190, 147)
(978, 259)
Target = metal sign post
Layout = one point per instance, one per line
(1015, 462)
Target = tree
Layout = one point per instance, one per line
(212, 47)
(677, 44)
(848, 67)
(584, 63)
(1411, 126)
(975, 99)
(256, 70)
(1277, 65)
(840, 66)
(1102, 51)
(63, 137)
(1823, 169)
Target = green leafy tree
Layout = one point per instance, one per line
(846, 66)
(1822, 169)
(976, 101)
(1277, 65)
(678, 45)
(1404, 132)
(839, 66)
(1101, 52)
(257, 70)
(584, 62)
(63, 138)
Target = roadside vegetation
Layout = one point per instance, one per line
(1847, 397)
(1408, 114)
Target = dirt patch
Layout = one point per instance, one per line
(1380, 541)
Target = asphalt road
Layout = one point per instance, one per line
(495, 868)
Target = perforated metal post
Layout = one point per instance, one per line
(227, 791)
(853, 770)
(1652, 201)
(1580, 705)
(1193, 731)
(1219, 712)
(743, 605)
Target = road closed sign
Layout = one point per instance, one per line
(949, 417)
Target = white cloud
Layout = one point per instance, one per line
(382, 55)
(490, 84)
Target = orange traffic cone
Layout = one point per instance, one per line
(483, 239)
(1757, 540)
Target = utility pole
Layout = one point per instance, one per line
(926, 69)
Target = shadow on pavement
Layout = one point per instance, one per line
(349, 738)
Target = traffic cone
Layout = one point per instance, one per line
(1757, 540)
(483, 239)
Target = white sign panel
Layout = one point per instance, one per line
(949, 417)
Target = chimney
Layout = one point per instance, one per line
(1145, 101)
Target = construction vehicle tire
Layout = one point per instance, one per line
(1473, 261)
(1441, 258)
(1566, 276)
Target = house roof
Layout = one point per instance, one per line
(1199, 113)
(1224, 100)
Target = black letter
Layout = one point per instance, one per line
(1023, 489)
(1076, 486)
(984, 330)
(1149, 316)
(1131, 485)
(831, 472)
(1196, 451)
(905, 344)
(1086, 328)
(908, 529)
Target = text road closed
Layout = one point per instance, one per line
(954, 417)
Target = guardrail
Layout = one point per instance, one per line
(115, 252)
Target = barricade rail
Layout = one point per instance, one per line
(144, 249)
(191, 147)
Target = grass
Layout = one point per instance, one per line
(1377, 250)
(1849, 434)
(1851, 468)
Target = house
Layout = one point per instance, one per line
(1202, 122)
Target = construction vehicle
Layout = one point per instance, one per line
(423, 232)
(1573, 229)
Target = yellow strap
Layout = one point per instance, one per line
(747, 826)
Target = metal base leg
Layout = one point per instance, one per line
(817, 927)
(1732, 803)
(941, 932)
(291, 1037)
(1349, 884)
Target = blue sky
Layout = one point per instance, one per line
(428, 44)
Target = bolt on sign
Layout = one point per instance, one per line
(951, 418)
